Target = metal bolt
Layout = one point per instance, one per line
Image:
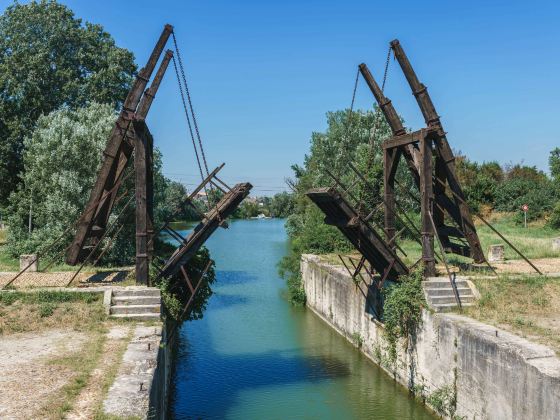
(149, 346)
(141, 386)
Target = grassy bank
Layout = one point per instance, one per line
(41, 310)
(78, 341)
(527, 306)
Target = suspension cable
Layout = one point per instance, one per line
(180, 60)
(187, 115)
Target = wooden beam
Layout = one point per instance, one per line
(426, 203)
(141, 192)
(408, 138)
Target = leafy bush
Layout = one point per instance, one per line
(554, 220)
(402, 309)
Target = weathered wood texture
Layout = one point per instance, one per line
(118, 151)
(443, 152)
(142, 158)
(416, 158)
(361, 234)
(213, 219)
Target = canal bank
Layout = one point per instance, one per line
(462, 367)
(255, 356)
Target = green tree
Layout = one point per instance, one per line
(61, 161)
(281, 205)
(350, 138)
(50, 59)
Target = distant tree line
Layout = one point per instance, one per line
(281, 205)
(490, 187)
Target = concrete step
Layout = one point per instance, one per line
(139, 317)
(144, 291)
(449, 306)
(135, 309)
(439, 291)
(444, 283)
(438, 300)
(136, 300)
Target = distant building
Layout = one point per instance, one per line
(201, 196)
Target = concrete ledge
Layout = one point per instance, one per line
(130, 393)
(493, 374)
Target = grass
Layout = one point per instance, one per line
(535, 241)
(80, 365)
(45, 309)
(527, 306)
(109, 379)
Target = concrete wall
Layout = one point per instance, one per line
(160, 391)
(143, 383)
(491, 373)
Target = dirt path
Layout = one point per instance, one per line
(27, 380)
(92, 395)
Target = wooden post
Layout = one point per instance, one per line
(443, 150)
(141, 189)
(390, 163)
(426, 204)
(150, 196)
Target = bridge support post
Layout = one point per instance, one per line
(426, 205)
(142, 154)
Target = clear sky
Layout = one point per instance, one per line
(264, 73)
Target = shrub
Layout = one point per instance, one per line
(402, 309)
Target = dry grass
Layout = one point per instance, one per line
(88, 367)
(42, 310)
(527, 306)
(78, 366)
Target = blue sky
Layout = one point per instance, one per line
(263, 74)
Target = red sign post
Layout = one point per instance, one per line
(525, 209)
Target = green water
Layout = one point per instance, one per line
(254, 356)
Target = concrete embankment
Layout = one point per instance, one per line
(462, 367)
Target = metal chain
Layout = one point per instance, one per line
(190, 102)
(354, 92)
(188, 118)
(377, 120)
(386, 69)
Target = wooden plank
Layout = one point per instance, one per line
(214, 219)
(390, 163)
(406, 139)
(363, 236)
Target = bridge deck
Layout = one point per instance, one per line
(365, 239)
(214, 219)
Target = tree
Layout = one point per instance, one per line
(281, 204)
(48, 60)
(61, 161)
(350, 138)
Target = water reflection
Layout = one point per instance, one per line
(254, 356)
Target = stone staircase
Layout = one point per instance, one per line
(140, 303)
(440, 296)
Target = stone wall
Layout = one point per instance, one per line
(143, 383)
(490, 373)
(160, 391)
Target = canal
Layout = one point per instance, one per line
(255, 356)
